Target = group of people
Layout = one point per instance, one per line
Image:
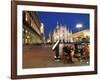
(75, 52)
(72, 52)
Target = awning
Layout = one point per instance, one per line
(76, 35)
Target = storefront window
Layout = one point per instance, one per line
(26, 41)
(26, 17)
(25, 31)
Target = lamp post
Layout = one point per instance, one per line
(79, 26)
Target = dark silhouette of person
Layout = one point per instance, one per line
(56, 49)
(67, 49)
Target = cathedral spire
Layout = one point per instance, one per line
(57, 25)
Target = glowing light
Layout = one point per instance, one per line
(79, 25)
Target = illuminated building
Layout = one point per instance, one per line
(31, 28)
(61, 33)
(80, 35)
(42, 32)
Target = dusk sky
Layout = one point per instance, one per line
(50, 19)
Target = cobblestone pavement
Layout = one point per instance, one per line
(41, 57)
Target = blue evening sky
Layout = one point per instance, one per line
(50, 19)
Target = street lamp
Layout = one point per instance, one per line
(79, 26)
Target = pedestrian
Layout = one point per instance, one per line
(56, 49)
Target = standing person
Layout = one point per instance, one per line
(72, 53)
(69, 53)
(61, 45)
(78, 51)
(56, 49)
(76, 48)
(65, 54)
(87, 50)
(83, 52)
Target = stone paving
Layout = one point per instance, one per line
(42, 57)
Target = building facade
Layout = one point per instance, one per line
(60, 33)
(83, 35)
(31, 28)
